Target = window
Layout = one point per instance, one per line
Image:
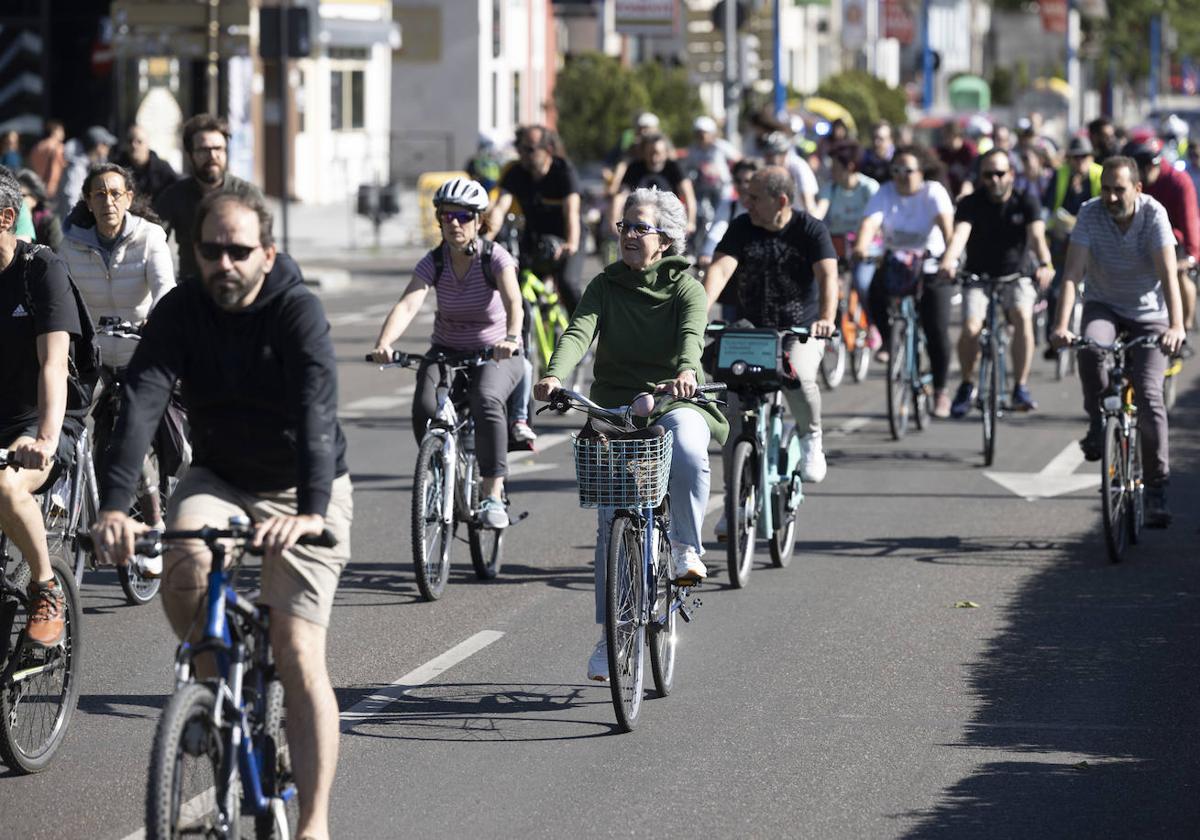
(346, 99)
(497, 35)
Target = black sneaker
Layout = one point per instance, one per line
(1093, 443)
(963, 398)
(1157, 513)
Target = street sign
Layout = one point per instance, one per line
(898, 22)
(646, 17)
(1054, 15)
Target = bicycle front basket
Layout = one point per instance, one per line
(629, 473)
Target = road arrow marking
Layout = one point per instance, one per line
(1055, 479)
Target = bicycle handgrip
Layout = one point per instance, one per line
(398, 357)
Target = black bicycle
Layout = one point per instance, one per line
(39, 687)
(993, 358)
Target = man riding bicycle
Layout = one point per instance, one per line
(1124, 244)
(784, 268)
(998, 226)
(252, 350)
(39, 420)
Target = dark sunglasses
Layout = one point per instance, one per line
(994, 173)
(638, 229)
(460, 216)
(903, 170)
(527, 150)
(212, 251)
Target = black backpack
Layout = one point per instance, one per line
(485, 261)
(83, 363)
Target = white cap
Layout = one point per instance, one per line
(647, 120)
(706, 124)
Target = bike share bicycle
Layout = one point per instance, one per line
(220, 748)
(763, 488)
(39, 686)
(909, 380)
(626, 469)
(993, 358)
(446, 481)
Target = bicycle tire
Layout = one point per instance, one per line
(988, 405)
(431, 537)
(782, 542)
(276, 771)
(833, 363)
(487, 544)
(899, 385)
(1113, 489)
(741, 513)
(663, 634)
(179, 799)
(858, 337)
(624, 620)
(920, 392)
(36, 710)
(138, 588)
(1137, 488)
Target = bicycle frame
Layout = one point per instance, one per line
(906, 308)
(766, 415)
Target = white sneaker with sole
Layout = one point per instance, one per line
(522, 433)
(686, 563)
(812, 459)
(598, 662)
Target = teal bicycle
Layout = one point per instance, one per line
(762, 483)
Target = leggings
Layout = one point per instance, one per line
(933, 308)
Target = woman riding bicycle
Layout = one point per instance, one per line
(648, 317)
(117, 254)
(842, 203)
(915, 214)
(472, 314)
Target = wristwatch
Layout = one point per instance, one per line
(515, 339)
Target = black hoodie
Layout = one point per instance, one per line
(259, 385)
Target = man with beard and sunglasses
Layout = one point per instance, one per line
(251, 347)
(206, 145)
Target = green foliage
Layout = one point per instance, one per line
(867, 98)
(1124, 38)
(597, 99)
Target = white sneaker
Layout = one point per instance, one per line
(149, 567)
(522, 433)
(812, 459)
(686, 563)
(722, 528)
(598, 662)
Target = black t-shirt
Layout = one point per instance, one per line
(54, 310)
(637, 175)
(542, 201)
(998, 231)
(774, 278)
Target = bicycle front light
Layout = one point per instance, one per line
(1112, 403)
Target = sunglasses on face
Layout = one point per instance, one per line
(212, 251)
(637, 229)
(460, 216)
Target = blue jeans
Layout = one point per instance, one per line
(688, 488)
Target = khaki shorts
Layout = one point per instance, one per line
(304, 583)
(1020, 295)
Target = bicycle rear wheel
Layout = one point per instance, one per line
(741, 513)
(38, 701)
(487, 544)
(833, 363)
(662, 636)
(185, 770)
(625, 620)
(988, 387)
(899, 385)
(138, 588)
(1137, 488)
(783, 538)
(284, 817)
(1113, 484)
(921, 385)
(431, 536)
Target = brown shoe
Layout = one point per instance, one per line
(46, 626)
(941, 403)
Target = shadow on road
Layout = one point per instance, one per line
(1088, 698)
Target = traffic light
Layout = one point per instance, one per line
(749, 62)
(299, 42)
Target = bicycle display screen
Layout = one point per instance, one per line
(760, 349)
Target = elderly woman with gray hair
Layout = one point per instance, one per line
(648, 316)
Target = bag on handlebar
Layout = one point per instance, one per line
(901, 271)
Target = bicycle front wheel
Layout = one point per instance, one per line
(487, 544)
(988, 404)
(1137, 488)
(38, 700)
(1113, 484)
(138, 588)
(625, 620)
(741, 513)
(431, 535)
(833, 363)
(662, 636)
(783, 538)
(899, 383)
(284, 817)
(185, 787)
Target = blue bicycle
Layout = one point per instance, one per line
(220, 748)
(909, 380)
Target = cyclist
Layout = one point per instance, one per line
(647, 314)
(842, 203)
(709, 160)
(783, 266)
(1124, 244)
(656, 167)
(252, 349)
(997, 226)
(778, 150)
(915, 215)
(877, 161)
(1074, 182)
(547, 188)
(472, 313)
(38, 421)
(729, 209)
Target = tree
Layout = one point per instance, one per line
(867, 98)
(1124, 38)
(597, 98)
(673, 98)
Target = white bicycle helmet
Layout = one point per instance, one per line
(463, 192)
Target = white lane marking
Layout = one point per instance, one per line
(1057, 478)
(849, 427)
(384, 697)
(370, 706)
(368, 313)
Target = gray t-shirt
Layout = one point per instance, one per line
(1120, 268)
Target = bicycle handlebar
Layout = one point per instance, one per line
(801, 333)
(1117, 346)
(152, 542)
(5, 463)
(114, 327)
(457, 359)
(562, 399)
(969, 279)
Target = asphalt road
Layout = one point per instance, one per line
(843, 697)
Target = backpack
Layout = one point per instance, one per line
(83, 363)
(485, 261)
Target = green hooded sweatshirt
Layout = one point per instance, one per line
(650, 324)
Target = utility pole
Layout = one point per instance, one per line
(1155, 57)
(732, 94)
(926, 59)
(1073, 74)
(213, 72)
(284, 179)
(777, 60)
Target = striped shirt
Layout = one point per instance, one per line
(1120, 268)
(470, 313)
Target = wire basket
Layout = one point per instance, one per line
(622, 473)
